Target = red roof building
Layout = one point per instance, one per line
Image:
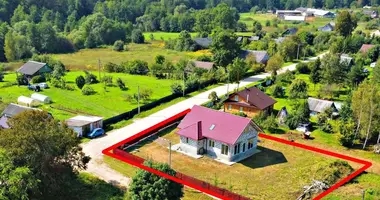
(218, 134)
(250, 101)
(366, 47)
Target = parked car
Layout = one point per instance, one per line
(373, 65)
(96, 133)
(304, 127)
(35, 88)
(43, 85)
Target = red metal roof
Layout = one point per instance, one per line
(256, 97)
(366, 47)
(216, 125)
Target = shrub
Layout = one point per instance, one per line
(137, 36)
(145, 93)
(80, 81)
(286, 77)
(159, 59)
(302, 68)
(176, 88)
(241, 114)
(21, 80)
(118, 45)
(1, 77)
(88, 90)
(270, 123)
(136, 67)
(333, 172)
(55, 83)
(298, 89)
(90, 78)
(278, 91)
(120, 84)
(204, 58)
(110, 67)
(107, 80)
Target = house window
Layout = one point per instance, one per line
(236, 98)
(229, 107)
(187, 140)
(250, 143)
(243, 147)
(241, 109)
(237, 149)
(224, 149)
(211, 143)
(212, 127)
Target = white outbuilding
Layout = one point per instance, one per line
(41, 98)
(83, 125)
(26, 101)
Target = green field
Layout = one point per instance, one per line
(89, 58)
(248, 19)
(106, 102)
(164, 35)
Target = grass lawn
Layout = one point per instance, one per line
(277, 167)
(130, 171)
(88, 58)
(248, 19)
(106, 103)
(164, 35)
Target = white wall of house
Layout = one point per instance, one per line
(189, 145)
(250, 134)
(78, 130)
(216, 151)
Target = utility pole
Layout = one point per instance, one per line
(363, 192)
(99, 67)
(184, 84)
(138, 99)
(298, 50)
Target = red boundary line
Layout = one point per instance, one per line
(108, 152)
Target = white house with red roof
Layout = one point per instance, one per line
(225, 137)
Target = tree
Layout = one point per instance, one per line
(80, 81)
(274, 64)
(224, 47)
(137, 36)
(345, 24)
(176, 88)
(159, 59)
(120, 83)
(237, 70)
(315, 72)
(346, 131)
(376, 73)
(56, 156)
(184, 42)
(118, 45)
(278, 91)
(289, 48)
(356, 75)
(146, 185)
(298, 89)
(213, 97)
(15, 181)
(333, 71)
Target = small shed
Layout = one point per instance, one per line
(23, 100)
(320, 105)
(282, 114)
(41, 98)
(83, 125)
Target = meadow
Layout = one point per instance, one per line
(89, 58)
(107, 102)
(249, 18)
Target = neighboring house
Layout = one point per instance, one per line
(33, 68)
(372, 13)
(326, 28)
(261, 57)
(10, 111)
(83, 125)
(250, 101)
(321, 13)
(294, 18)
(375, 33)
(279, 40)
(204, 43)
(318, 105)
(225, 137)
(204, 65)
(346, 59)
(366, 47)
(249, 38)
(289, 31)
(282, 13)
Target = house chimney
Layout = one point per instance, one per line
(199, 129)
(247, 97)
